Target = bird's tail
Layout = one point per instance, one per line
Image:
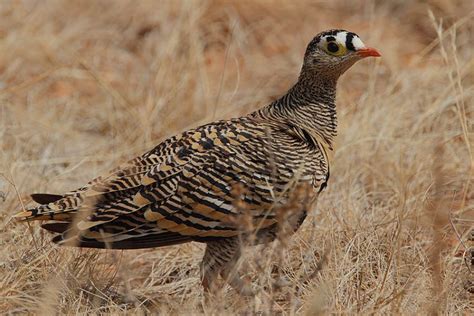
(53, 207)
(65, 221)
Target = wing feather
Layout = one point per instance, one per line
(183, 189)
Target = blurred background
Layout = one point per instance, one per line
(85, 85)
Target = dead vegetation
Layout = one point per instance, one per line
(87, 84)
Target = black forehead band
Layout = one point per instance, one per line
(349, 44)
(330, 39)
(330, 33)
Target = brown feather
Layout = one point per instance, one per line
(56, 227)
(150, 241)
(45, 198)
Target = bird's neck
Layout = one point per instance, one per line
(310, 105)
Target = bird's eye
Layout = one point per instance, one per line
(333, 47)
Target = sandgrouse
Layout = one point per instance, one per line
(201, 184)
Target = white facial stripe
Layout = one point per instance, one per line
(341, 38)
(357, 43)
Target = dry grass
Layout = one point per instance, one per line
(87, 84)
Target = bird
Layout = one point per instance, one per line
(221, 182)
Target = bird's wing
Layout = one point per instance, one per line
(182, 189)
(194, 192)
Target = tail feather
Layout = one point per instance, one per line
(40, 213)
(56, 227)
(46, 198)
(110, 230)
(53, 207)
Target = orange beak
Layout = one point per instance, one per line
(368, 52)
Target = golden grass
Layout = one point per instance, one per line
(85, 85)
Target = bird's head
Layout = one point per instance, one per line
(332, 52)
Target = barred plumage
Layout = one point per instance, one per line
(188, 188)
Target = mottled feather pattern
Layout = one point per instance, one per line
(184, 184)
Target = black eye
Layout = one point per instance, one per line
(333, 47)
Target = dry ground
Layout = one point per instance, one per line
(85, 85)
